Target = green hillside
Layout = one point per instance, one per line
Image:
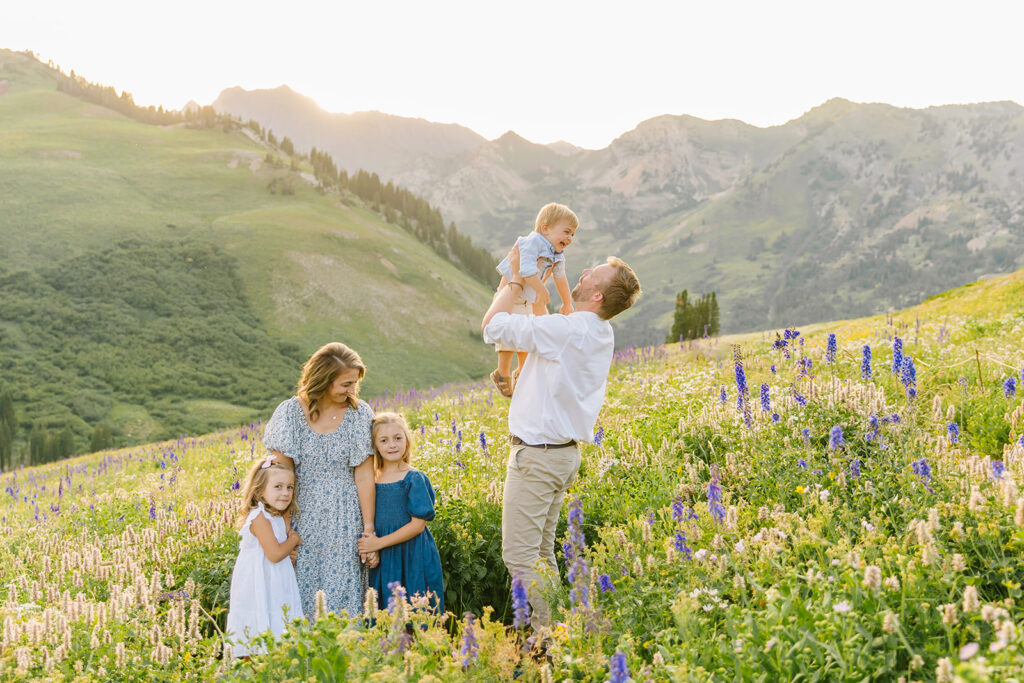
(172, 279)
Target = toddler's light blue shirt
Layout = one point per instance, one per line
(533, 247)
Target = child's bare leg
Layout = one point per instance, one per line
(505, 363)
(539, 309)
(522, 359)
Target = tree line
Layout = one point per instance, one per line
(412, 212)
(693, 320)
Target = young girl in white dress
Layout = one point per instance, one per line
(264, 592)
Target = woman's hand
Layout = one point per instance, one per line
(372, 559)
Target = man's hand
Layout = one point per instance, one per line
(566, 308)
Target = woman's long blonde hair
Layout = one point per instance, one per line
(381, 419)
(256, 483)
(320, 371)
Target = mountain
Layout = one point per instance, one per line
(370, 140)
(848, 210)
(167, 279)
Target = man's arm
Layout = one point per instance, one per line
(562, 285)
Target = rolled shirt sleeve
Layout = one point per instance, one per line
(545, 335)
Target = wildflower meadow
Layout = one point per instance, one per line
(834, 502)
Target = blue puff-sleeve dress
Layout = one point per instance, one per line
(329, 519)
(415, 564)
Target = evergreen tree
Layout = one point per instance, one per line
(694, 320)
(6, 446)
(101, 437)
(65, 443)
(713, 320)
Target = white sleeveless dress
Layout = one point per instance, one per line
(262, 592)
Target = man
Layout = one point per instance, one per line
(555, 406)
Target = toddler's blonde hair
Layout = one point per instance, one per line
(553, 213)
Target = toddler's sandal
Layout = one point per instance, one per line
(504, 384)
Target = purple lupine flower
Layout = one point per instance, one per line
(520, 604)
(800, 400)
(723, 397)
(605, 583)
(773, 368)
(805, 434)
(998, 467)
(953, 433)
(775, 417)
(599, 435)
(483, 441)
(872, 435)
(897, 355)
(801, 463)
(578, 573)
(715, 506)
(805, 366)
(923, 470)
(865, 364)
(237, 485)
(680, 545)
(855, 468)
(678, 509)
(1009, 387)
(470, 647)
(617, 669)
(741, 377)
(830, 349)
(908, 373)
(766, 403)
(835, 438)
(397, 595)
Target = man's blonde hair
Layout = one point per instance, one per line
(621, 291)
(553, 213)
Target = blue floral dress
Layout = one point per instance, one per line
(415, 564)
(329, 519)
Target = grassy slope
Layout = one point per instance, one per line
(77, 178)
(663, 434)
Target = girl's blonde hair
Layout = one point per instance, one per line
(320, 371)
(381, 419)
(256, 483)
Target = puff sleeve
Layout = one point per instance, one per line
(361, 444)
(281, 432)
(421, 497)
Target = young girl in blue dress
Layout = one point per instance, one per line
(405, 503)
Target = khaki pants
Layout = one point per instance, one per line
(535, 484)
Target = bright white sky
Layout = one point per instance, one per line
(584, 72)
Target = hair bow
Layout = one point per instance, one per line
(267, 462)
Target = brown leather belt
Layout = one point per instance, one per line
(516, 441)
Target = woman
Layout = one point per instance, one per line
(323, 432)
